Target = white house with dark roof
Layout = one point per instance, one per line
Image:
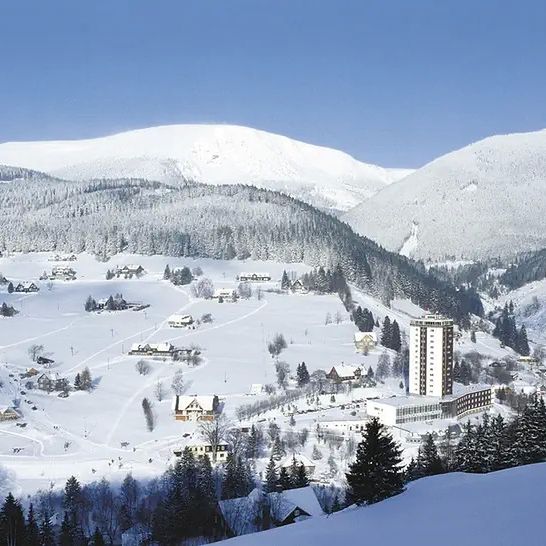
(195, 408)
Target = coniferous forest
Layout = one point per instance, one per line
(104, 217)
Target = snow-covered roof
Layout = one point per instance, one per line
(242, 514)
(164, 346)
(10, 409)
(346, 371)
(181, 402)
(256, 273)
(300, 459)
(179, 318)
(359, 336)
(403, 401)
(303, 497)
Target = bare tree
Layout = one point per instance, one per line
(159, 391)
(283, 370)
(34, 351)
(142, 367)
(214, 432)
(148, 414)
(203, 288)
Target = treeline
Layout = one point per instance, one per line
(506, 331)
(529, 268)
(105, 217)
(181, 504)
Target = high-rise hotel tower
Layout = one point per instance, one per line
(431, 356)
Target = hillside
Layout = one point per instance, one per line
(223, 222)
(502, 509)
(482, 201)
(211, 154)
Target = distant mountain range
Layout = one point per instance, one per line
(482, 201)
(211, 154)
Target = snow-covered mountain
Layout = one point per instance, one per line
(211, 154)
(484, 200)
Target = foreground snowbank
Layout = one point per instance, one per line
(502, 509)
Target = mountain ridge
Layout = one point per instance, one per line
(481, 201)
(210, 154)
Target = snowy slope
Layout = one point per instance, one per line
(502, 509)
(212, 154)
(484, 200)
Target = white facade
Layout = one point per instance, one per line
(405, 409)
(431, 356)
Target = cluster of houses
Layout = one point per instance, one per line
(26, 287)
(63, 258)
(59, 273)
(162, 350)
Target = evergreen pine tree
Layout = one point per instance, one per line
(97, 539)
(284, 482)
(167, 273)
(431, 462)
(47, 535)
(396, 341)
(386, 333)
(271, 477)
(12, 523)
(285, 281)
(375, 475)
(32, 537)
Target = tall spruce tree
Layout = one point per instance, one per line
(376, 474)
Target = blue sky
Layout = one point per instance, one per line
(392, 82)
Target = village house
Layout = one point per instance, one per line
(52, 382)
(31, 372)
(180, 321)
(26, 287)
(259, 510)
(163, 349)
(201, 448)
(225, 294)
(344, 373)
(364, 341)
(298, 287)
(341, 427)
(8, 413)
(129, 271)
(298, 459)
(254, 277)
(195, 408)
(62, 273)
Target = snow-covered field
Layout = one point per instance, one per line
(83, 434)
(498, 509)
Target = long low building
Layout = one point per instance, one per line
(466, 400)
(399, 410)
(405, 409)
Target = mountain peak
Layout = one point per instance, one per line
(211, 154)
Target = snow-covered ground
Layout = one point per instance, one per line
(83, 434)
(498, 509)
(482, 201)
